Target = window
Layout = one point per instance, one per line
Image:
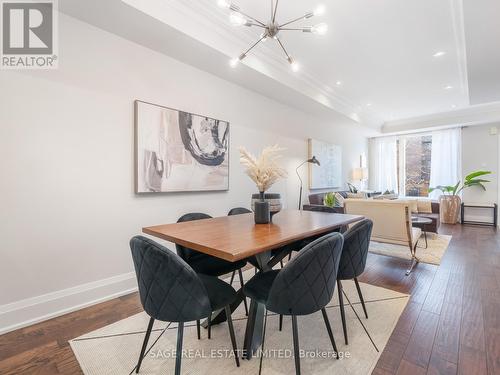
(414, 166)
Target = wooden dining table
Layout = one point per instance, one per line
(237, 237)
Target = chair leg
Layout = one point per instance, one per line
(330, 333)
(296, 351)
(232, 277)
(198, 329)
(144, 344)
(281, 322)
(342, 311)
(290, 256)
(361, 296)
(242, 285)
(281, 263)
(209, 325)
(414, 259)
(231, 333)
(178, 354)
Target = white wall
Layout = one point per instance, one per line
(480, 152)
(66, 158)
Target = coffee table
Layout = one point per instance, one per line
(421, 222)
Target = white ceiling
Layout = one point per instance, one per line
(482, 25)
(382, 51)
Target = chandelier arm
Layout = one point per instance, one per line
(283, 48)
(275, 10)
(255, 24)
(292, 21)
(253, 46)
(294, 28)
(250, 17)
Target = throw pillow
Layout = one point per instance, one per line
(424, 206)
(413, 206)
(339, 200)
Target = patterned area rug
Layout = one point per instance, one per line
(437, 244)
(114, 349)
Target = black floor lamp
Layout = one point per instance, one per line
(313, 160)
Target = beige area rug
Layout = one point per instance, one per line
(437, 246)
(114, 349)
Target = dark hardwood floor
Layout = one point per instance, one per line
(450, 326)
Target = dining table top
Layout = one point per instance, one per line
(237, 237)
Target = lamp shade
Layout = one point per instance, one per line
(360, 174)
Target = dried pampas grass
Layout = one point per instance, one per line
(264, 170)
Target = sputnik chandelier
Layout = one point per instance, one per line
(272, 29)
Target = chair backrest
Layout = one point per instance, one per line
(355, 250)
(185, 252)
(391, 219)
(307, 282)
(169, 289)
(238, 211)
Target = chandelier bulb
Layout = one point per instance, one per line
(320, 29)
(319, 10)
(224, 4)
(234, 62)
(237, 19)
(294, 65)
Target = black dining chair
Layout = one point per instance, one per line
(353, 262)
(238, 211)
(171, 291)
(304, 286)
(207, 264)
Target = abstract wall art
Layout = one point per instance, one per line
(177, 151)
(329, 174)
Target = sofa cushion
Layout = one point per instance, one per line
(424, 206)
(356, 195)
(318, 198)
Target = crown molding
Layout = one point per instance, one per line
(457, 13)
(473, 115)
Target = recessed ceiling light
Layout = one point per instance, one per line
(449, 87)
(338, 83)
(439, 54)
(453, 106)
(369, 104)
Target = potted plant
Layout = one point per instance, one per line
(449, 202)
(264, 171)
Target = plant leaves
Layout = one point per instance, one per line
(476, 174)
(474, 181)
(476, 184)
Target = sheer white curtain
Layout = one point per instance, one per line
(385, 164)
(446, 158)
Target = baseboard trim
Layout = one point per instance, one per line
(23, 313)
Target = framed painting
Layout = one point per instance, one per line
(329, 174)
(177, 151)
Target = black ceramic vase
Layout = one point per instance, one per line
(262, 211)
(274, 199)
